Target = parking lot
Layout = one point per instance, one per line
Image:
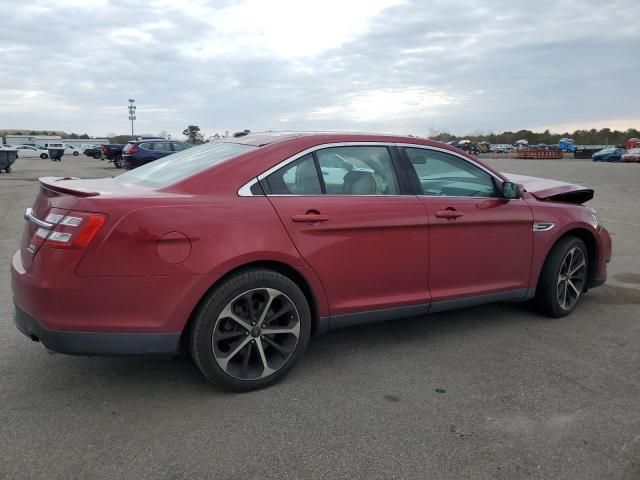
(489, 392)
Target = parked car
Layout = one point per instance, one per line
(240, 251)
(29, 151)
(68, 149)
(632, 155)
(612, 154)
(113, 153)
(138, 153)
(94, 151)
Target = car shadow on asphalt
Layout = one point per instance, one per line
(148, 376)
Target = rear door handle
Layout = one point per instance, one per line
(449, 214)
(309, 218)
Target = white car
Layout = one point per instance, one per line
(68, 149)
(29, 151)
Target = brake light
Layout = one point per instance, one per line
(70, 230)
(131, 149)
(105, 150)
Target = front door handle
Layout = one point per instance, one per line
(312, 216)
(449, 214)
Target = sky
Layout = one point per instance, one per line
(395, 66)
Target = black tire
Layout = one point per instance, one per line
(209, 320)
(550, 289)
(117, 162)
(8, 169)
(75, 154)
(97, 156)
(44, 156)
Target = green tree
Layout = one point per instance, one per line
(192, 132)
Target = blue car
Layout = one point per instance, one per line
(141, 152)
(611, 154)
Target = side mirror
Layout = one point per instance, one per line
(512, 190)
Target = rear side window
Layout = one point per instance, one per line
(351, 170)
(297, 178)
(148, 146)
(174, 168)
(163, 147)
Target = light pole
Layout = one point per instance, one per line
(132, 114)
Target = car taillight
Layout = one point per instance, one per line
(132, 149)
(70, 230)
(104, 150)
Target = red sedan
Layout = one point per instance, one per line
(239, 251)
(632, 155)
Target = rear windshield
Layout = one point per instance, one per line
(178, 166)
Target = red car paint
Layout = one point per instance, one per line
(160, 250)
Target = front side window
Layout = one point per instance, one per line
(178, 147)
(444, 174)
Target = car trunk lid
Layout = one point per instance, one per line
(62, 194)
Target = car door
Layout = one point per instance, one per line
(480, 244)
(350, 219)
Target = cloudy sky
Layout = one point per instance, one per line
(403, 66)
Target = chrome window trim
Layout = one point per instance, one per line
(245, 190)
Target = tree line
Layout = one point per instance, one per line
(604, 136)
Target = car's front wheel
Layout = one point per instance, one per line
(44, 156)
(250, 330)
(75, 154)
(117, 162)
(563, 278)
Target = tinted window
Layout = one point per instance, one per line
(357, 170)
(148, 146)
(299, 177)
(178, 147)
(163, 147)
(173, 168)
(448, 175)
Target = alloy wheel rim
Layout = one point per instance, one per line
(571, 278)
(255, 334)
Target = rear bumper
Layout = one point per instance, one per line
(97, 343)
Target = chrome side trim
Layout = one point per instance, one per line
(318, 147)
(245, 190)
(29, 216)
(543, 226)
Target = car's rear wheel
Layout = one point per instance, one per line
(250, 330)
(117, 162)
(44, 156)
(563, 278)
(75, 154)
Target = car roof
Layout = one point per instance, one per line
(266, 138)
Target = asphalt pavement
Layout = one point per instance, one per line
(493, 392)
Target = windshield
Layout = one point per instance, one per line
(608, 150)
(178, 166)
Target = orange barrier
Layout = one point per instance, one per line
(539, 154)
